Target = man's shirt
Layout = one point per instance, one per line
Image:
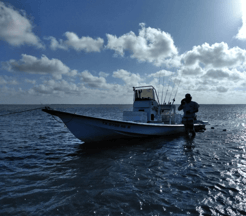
(192, 107)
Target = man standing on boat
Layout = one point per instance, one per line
(190, 108)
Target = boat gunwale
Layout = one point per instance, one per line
(52, 112)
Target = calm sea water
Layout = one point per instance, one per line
(45, 170)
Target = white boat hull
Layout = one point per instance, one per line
(91, 129)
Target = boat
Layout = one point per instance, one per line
(148, 118)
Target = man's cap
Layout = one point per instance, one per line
(187, 96)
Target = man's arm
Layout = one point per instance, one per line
(182, 104)
(180, 107)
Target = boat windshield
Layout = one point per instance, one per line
(144, 94)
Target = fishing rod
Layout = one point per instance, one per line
(159, 87)
(166, 91)
(162, 88)
(22, 111)
(176, 91)
(171, 93)
(168, 87)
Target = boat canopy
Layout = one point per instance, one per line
(144, 93)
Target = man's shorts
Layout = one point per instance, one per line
(188, 122)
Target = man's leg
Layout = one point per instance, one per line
(189, 127)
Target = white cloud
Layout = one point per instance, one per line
(220, 74)
(30, 81)
(86, 44)
(56, 87)
(190, 71)
(212, 81)
(5, 80)
(130, 79)
(217, 55)
(93, 90)
(151, 45)
(72, 73)
(61, 91)
(33, 65)
(15, 28)
(102, 74)
(161, 73)
(54, 44)
(2, 81)
(217, 74)
(212, 68)
(222, 89)
(93, 81)
(241, 35)
(13, 82)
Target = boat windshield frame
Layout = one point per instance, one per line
(155, 95)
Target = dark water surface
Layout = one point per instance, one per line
(45, 170)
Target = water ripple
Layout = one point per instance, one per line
(44, 170)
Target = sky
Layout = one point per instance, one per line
(94, 51)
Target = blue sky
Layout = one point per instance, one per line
(95, 51)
